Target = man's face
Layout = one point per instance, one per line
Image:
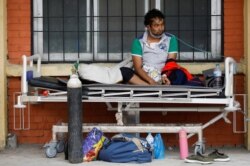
(156, 28)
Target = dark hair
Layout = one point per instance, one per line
(154, 13)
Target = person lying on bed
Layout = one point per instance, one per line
(154, 55)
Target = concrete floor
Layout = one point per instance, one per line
(33, 155)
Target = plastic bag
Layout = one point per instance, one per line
(159, 147)
(92, 144)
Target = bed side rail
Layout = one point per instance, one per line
(230, 70)
(30, 70)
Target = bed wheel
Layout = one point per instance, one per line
(51, 152)
(199, 148)
(60, 146)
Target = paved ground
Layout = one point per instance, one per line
(33, 155)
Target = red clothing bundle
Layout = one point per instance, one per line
(171, 65)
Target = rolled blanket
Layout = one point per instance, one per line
(172, 65)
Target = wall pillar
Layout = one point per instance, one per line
(3, 79)
(247, 57)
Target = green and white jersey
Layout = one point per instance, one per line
(154, 54)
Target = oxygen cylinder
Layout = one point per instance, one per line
(74, 97)
(183, 144)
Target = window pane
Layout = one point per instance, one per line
(115, 42)
(102, 42)
(45, 24)
(114, 7)
(171, 23)
(71, 24)
(128, 9)
(55, 8)
(174, 32)
(84, 44)
(127, 41)
(114, 24)
(103, 24)
(44, 5)
(129, 23)
(186, 36)
(55, 48)
(186, 23)
(186, 8)
(55, 24)
(201, 42)
(201, 7)
(82, 7)
(84, 24)
(71, 42)
(56, 42)
(201, 23)
(139, 24)
(171, 8)
(70, 8)
(103, 7)
(45, 41)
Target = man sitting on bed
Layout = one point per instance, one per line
(151, 51)
(154, 59)
(154, 56)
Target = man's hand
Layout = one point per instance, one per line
(165, 80)
(152, 82)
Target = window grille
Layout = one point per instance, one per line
(65, 31)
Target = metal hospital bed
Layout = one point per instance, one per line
(129, 99)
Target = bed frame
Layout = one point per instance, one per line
(128, 99)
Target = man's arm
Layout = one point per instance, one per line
(137, 61)
(172, 55)
(173, 48)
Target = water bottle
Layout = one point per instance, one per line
(159, 147)
(183, 144)
(150, 140)
(217, 76)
